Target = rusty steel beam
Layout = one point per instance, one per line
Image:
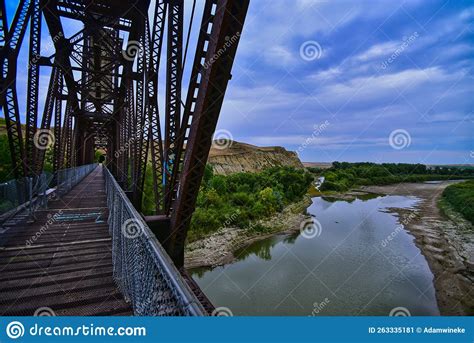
(104, 89)
(58, 102)
(189, 108)
(33, 85)
(156, 141)
(8, 94)
(3, 25)
(173, 88)
(227, 25)
(63, 46)
(47, 115)
(142, 123)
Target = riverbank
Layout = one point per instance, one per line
(219, 247)
(444, 238)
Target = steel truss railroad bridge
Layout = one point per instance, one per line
(103, 95)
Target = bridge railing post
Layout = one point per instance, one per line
(142, 269)
(24, 195)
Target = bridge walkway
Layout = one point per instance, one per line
(62, 261)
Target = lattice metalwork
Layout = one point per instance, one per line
(103, 97)
(144, 272)
(8, 93)
(33, 84)
(226, 24)
(152, 106)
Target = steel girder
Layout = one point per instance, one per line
(142, 121)
(66, 141)
(3, 24)
(48, 112)
(8, 94)
(173, 90)
(63, 50)
(227, 23)
(191, 98)
(113, 105)
(155, 138)
(33, 85)
(58, 101)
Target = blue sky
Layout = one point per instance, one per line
(381, 69)
(277, 98)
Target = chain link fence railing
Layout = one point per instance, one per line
(15, 193)
(66, 179)
(28, 194)
(143, 270)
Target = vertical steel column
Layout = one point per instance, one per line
(225, 34)
(156, 141)
(33, 85)
(173, 87)
(57, 123)
(132, 129)
(8, 95)
(191, 98)
(142, 120)
(47, 115)
(66, 139)
(3, 24)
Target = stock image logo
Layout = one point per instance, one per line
(44, 312)
(311, 50)
(134, 48)
(399, 139)
(43, 139)
(15, 330)
(222, 312)
(399, 312)
(223, 139)
(311, 228)
(131, 228)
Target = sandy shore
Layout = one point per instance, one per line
(219, 248)
(444, 238)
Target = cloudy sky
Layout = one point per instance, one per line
(382, 81)
(377, 68)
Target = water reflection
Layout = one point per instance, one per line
(347, 268)
(260, 249)
(263, 249)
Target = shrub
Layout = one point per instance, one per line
(238, 199)
(461, 197)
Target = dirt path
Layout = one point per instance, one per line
(446, 241)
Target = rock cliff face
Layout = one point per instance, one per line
(233, 157)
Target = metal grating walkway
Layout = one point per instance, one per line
(63, 260)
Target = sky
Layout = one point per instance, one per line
(380, 81)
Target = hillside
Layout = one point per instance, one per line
(320, 165)
(234, 157)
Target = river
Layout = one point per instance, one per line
(360, 263)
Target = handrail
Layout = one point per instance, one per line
(143, 270)
(68, 178)
(29, 194)
(19, 193)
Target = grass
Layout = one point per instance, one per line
(344, 176)
(460, 197)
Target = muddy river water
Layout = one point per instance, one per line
(359, 262)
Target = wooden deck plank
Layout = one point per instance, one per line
(68, 265)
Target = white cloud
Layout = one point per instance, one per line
(281, 55)
(376, 51)
(327, 74)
